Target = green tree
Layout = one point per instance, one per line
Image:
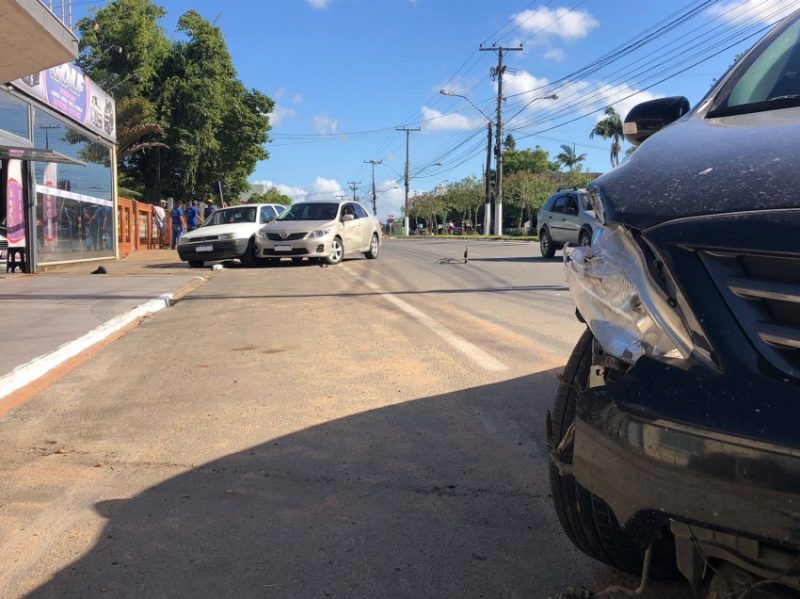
(570, 158)
(509, 144)
(532, 161)
(271, 196)
(527, 193)
(610, 127)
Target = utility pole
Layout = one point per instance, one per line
(374, 197)
(498, 72)
(408, 131)
(354, 186)
(487, 187)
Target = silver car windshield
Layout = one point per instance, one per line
(311, 211)
(227, 216)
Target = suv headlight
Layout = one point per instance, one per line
(318, 233)
(628, 313)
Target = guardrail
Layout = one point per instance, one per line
(61, 9)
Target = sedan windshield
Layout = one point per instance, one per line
(311, 211)
(770, 81)
(227, 216)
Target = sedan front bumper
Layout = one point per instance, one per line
(310, 248)
(209, 251)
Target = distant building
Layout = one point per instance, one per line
(254, 188)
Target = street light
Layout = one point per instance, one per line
(498, 217)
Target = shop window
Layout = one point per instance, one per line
(14, 116)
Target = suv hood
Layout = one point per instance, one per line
(700, 166)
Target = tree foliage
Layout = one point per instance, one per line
(271, 196)
(570, 158)
(534, 160)
(207, 125)
(610, 127)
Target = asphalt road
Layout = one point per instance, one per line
(374, 429)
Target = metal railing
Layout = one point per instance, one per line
(61, 9)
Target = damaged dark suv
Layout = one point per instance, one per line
(675, 435)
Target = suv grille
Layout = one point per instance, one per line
(764, 294)
(290, 237)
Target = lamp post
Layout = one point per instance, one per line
(498, 217)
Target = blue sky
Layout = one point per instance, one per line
(346, 73)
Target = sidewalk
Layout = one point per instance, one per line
(53, 316)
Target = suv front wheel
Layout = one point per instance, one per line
(546, 244)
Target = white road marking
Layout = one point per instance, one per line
(470, 350)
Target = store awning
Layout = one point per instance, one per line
(36, 155)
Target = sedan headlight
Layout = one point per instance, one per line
(318, 233)
(262, 234)
(226, 236)
(628, 313)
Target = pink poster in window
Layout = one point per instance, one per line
(50, 206)
(15, 206)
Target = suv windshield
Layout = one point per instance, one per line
(771, 80)
(311, 211)
(226, 216)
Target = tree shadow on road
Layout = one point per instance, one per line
(445, 496)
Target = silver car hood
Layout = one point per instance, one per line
(298, 226)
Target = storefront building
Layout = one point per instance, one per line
(57, 169)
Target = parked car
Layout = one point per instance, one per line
(674, 435)
(3, 249)
(226, 234)
(320, 230)
(566, 217)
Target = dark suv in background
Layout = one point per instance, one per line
(675, 434)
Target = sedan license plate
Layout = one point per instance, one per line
(204, 248)
(283, 248)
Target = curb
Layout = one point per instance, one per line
(27, 373)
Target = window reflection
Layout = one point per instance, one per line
(14, 115)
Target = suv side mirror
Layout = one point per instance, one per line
(650, 117)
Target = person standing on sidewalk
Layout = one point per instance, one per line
(178, 222)
(160, 218)
(192, 216)
(209, 210)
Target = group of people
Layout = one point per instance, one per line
(185, 216)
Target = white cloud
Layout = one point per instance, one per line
(325, 188)
(298, 194)
(522, 82)
(280, 114)
(740, 12)
(325, 125)
(435, 120)
(318, 4)
(556, 54)
(560, 22)
(297, 98)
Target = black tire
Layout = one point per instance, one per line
(586, 518)
(337, 251)
(374, 247)
(249, 256)
(585, 238)
(196, 263)
(546, 244)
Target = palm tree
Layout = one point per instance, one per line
(570, 158)
(610, 127)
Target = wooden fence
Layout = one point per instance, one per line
(137, 227)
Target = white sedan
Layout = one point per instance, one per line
(320, 230)
(226, 234)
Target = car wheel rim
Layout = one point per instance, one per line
(336, 251)
(585, 239)
(373, 247)
(545, 243)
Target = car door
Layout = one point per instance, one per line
(366, 225)
(351, 229)
(571, 220)
(556, 221)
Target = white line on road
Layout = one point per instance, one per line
(472, 351)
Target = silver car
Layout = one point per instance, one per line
(320, 230)
(566, 217)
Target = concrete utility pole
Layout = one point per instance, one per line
(374, 197)
(498, 72)
(487, 187)
(408, 131)
(354, 186)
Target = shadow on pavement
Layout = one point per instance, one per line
(441, 497)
